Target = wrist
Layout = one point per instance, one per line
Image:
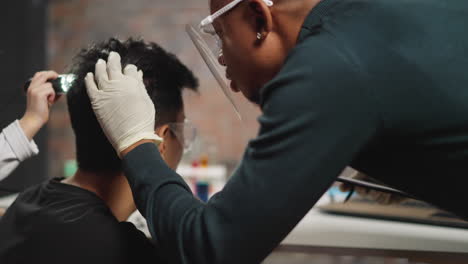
(30, 125)
(132, 147)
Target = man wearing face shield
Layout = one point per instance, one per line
(377, 85)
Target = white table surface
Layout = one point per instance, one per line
(330, 230)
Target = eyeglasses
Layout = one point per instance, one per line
(206, 25)
(185, 133)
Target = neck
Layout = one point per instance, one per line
(112, 188)
(290, 18)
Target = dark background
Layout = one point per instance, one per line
(22, 53)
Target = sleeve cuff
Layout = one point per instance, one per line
(19, 143)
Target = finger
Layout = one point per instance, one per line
(101, 72)
(38, 90)
(50, 95)
(142, 83)
(132, 71)
(37, 74)
(45, 92)
(91, 86)
(57, 97)
(43, 77)
(140, 75)
(114, 67)
(50, 75)
(38, 79)
(45, 88)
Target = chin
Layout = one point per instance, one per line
(254, 99)
(252, 94)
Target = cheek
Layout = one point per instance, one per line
(236, 48)
(250, 66)
(176, 154)
(242, 69)
(238, 60)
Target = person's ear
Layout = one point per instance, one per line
(263, 19)
(164, 132)
(162, 148)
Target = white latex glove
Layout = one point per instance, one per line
(121, 104)
(379, 197)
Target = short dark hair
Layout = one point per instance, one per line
(164, 77)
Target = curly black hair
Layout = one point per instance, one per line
(164, 76)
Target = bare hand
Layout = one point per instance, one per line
(40, 97)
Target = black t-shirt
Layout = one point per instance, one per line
(59, 223)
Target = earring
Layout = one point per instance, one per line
(259, 36)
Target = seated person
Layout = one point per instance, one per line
(82, 219)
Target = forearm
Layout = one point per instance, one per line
(241, 224)
(269, 194)
(7, 165)
(15, 147)
(189, 231)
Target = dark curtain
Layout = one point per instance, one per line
(23, 26)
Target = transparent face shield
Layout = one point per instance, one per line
(210, 47)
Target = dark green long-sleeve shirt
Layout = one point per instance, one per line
(381, 85)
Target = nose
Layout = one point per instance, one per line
(221, 59)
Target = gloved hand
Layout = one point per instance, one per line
(40, 97)
(121, 103)
(380, 197)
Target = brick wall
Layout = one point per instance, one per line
(74, 24)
